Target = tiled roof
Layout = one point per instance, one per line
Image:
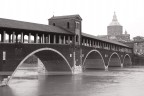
(67, 17)
(102, 39)
(7, 23)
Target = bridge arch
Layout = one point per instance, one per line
(114, 60)
(127, 60)
(92, 57)
(40, 50)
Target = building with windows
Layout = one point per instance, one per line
(115, 31)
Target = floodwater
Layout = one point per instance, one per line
(115, 82)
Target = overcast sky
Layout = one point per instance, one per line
(96, 14)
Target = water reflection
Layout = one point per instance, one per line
(115, 82)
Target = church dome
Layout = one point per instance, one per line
(114, 21)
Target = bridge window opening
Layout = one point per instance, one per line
(71, 39)
(32, 39)
(84, 42)
(9, 38)
(68, 25)
(87, 42)
(63, 39)
(46, 39)
(109, 46)
(6, 40)
(38, 39)
(25, 38)
(52, 39)
(57, 39)
(100, 44)
(93, 43)
(18, 38)
(103, 45)
(41, 39)
(66, 40)
(0, 38)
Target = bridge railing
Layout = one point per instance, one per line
(103, 45)
(35, 37)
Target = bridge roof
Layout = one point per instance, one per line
(102, 39)
(7, 23)
(67, 17)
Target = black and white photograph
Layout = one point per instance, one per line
(71, 48)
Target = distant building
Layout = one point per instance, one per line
(115, 31)
(138, 45)
(114, 28)
(138, 38)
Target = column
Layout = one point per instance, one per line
(49, 38)
(36, 38)
(43, 38)
(54, 39)
(3, 36)
(68, 39)
(64, 40)
(13, 37)
(22, 37)
(29, 38)
(60, 39)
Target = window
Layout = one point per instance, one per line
(53, 24)
(76, 38)
(77, 25)
(68, 25)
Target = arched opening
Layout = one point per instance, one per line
(53, 61)
(94, 60)
(127, 60)
(114, 60)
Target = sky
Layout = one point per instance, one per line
(96, 14)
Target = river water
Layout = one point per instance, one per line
(114, 82)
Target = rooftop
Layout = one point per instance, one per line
(7, 23)
(67, 17)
